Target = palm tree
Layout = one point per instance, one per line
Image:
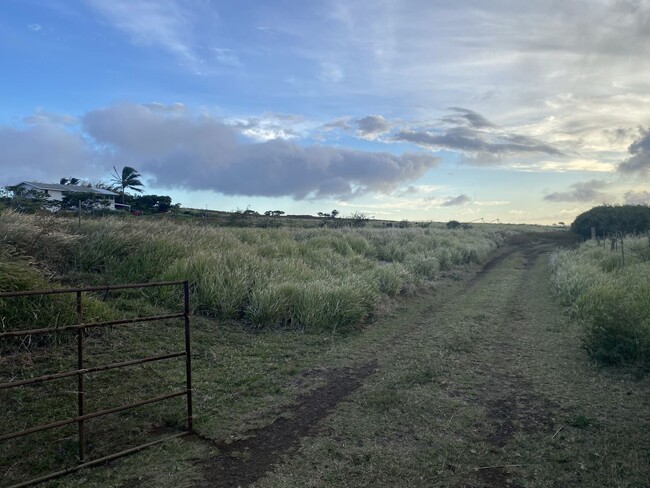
(69, 181)
(129, 178)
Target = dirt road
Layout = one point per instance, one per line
(480, 383)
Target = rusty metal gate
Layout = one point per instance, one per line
(80, 328)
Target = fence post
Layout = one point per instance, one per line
(622, 253)
(80, 380)
(188, 353)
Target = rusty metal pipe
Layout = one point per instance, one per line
(80, 328)
(105, 367)
(89, 288)
(188, 354)
(87, 416)
(80, 381)
(50, 330)
(94, 462)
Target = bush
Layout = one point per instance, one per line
(613, 219)
(612, 302)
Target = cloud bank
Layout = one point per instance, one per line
(473, 134)
(587, 191)
(176, 149)
(44, 150)
(459, 200)
(639, 161)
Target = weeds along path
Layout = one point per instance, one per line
(482, 384)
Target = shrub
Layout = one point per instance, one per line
(612, 302)
(613, 219)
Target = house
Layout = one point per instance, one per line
(56, 192)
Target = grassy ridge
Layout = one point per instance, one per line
(613, 301)
(318, 279)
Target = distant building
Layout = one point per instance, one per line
(56, 192)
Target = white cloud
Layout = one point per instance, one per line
(271, 126)
(35, 27)
(564, 166)
(163, 23)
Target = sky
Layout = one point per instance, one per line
(525, 112)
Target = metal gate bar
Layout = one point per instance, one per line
(81, 371)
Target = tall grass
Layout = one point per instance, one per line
(321, 279)
(38, 311)
(612, 301)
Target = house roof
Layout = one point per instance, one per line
(67, 188)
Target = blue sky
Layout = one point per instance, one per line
(416, 109)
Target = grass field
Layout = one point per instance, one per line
(320, 279)
(255, 293)
(431, 375)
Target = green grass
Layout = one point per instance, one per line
(447, 361)
(267, 302)
(312, 279)
(437, 413)
(612, 301)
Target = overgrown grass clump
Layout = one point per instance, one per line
(39, 311)
(611, 300)
(317, 279)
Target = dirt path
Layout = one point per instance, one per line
(244, 461)
(480, 384)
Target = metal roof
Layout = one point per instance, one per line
(67, 188)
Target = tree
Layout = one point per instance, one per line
(359, 219)
(334, 213)
(129, 178)
(23, 200)
(69, 181)
(613, 219)
(151, 203)
(88, 201)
